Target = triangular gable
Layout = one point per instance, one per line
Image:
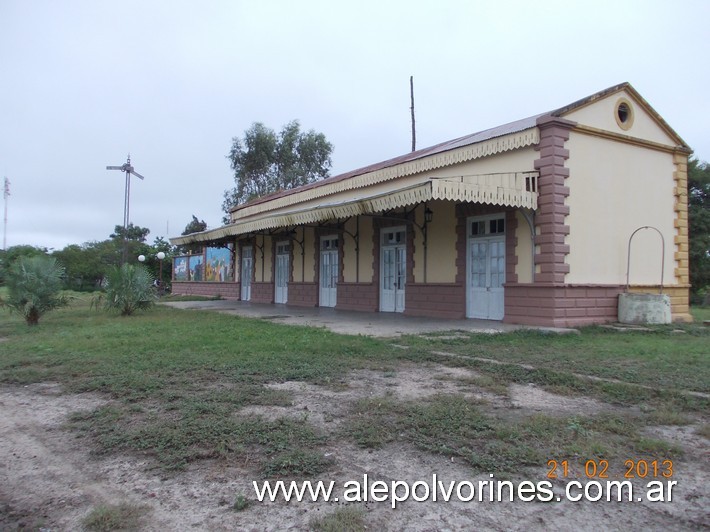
(637, 119)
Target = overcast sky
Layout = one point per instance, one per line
(83, 83)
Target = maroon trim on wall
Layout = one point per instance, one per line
(436, 300)
(358, 296)
(561, 305)
(262, 292)
(552, 196)
(229, 290)
(302, 294)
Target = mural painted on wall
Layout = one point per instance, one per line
(180, 269)
(218, 266)
(196, 265)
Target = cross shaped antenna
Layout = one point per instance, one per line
(127, 167)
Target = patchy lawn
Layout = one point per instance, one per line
(164, 419)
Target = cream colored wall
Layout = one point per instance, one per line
(614, 189)
(366, 248)
(237, 262)
(523, 250)
(418, 242)
(601, 115)
(349, 255)
(298, 260)
(441, 264)
(268, 259)
(309, 259)
(303, 257)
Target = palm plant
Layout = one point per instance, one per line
(129, 288)
(34, 287)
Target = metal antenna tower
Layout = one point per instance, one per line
(6, 194)
(129, 170)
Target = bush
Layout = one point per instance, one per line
(129, 288)
(33, 287)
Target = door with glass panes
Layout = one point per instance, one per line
(329, 269)
(393, 269)
(283, 256)
(247, 269)
(486, 267)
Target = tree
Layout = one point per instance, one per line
(264, 162)
(134, 242)
(194, 226)
(135, 233)
(33, 287)
(83, 265)
(129, 288)
(699, 227)
(11, 254)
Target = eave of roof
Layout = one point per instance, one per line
(481, 136)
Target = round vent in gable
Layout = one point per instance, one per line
(624, 113)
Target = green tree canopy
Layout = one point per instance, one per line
(264, 162)
(83, 264)
(13, 253)
(699, 225)
(132, 232)
(194, 226)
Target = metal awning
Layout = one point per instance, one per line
(514, 189)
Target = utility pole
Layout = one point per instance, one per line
(6, 194)
(411, 95)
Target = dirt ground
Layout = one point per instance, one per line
(50, 480)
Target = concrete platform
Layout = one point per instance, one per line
(379, 324)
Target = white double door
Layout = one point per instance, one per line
(329, 271)
(393, 270)
(283, 258)
(247, 269)
(486, 275)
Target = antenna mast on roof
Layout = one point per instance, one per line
(411, 95)
(6, 194)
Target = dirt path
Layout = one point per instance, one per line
(49, 479)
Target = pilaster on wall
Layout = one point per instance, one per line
(681, 309)
(550, 247)
(680, 191)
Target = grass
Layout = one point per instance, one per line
(660, 358)
(141, 355)
(456, 427)
(241, 503)
(347, 519)
(178, 379)
(107, 518)
(700, 314)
